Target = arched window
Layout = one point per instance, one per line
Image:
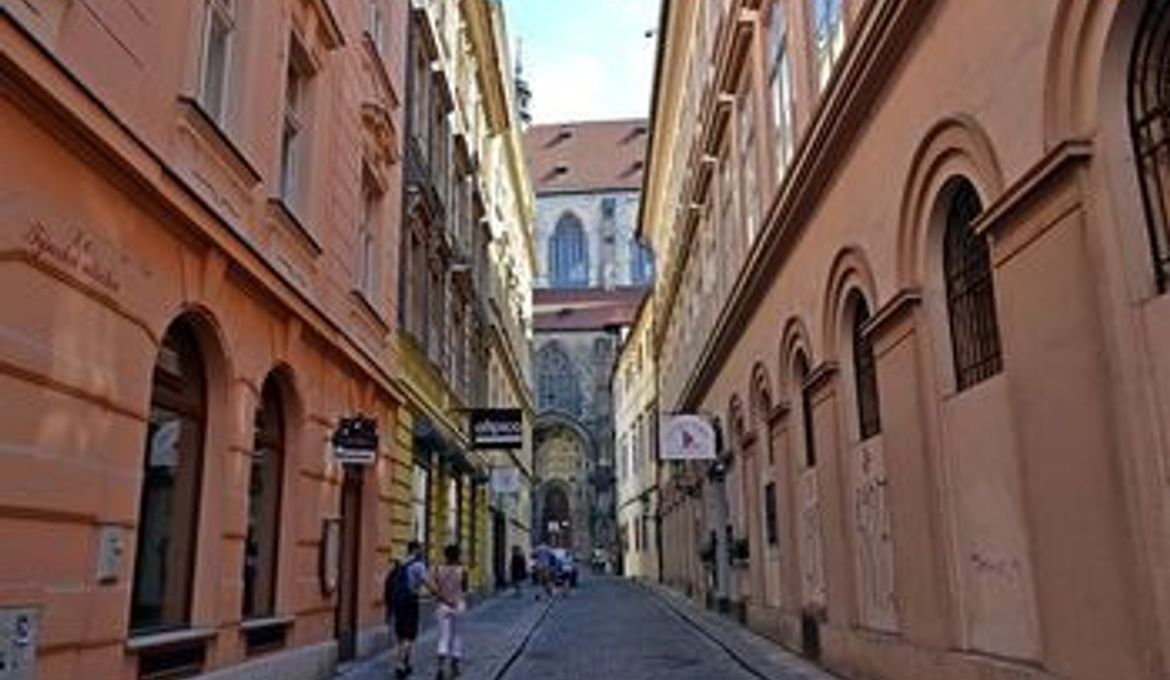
(1149, 120)
(168, 510)
(864, 372)
(800, 374)
(970, 291)
(568, 255)
(261, 547)
(556, 381)
(641, 264)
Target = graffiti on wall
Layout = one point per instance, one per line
(873, 544)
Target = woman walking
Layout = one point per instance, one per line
(451, 585)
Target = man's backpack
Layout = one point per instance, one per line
(397, 591)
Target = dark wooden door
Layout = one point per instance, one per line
(347, 586)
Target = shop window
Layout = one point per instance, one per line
(168, 511)
(261, 547)
(420, 501)
(970, 292)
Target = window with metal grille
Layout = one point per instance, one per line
(1149, 124)
(864, 373)
(810, 444)
(770, 524)
(970, 292)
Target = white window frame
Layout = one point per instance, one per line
(367, 264)
(780, 86)
(298, 73)
(216, 13)
(376, 26)
(828, 38)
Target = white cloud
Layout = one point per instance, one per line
(586, 61)
(571, 88)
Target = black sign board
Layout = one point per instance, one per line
(355, 440)
(497, 428)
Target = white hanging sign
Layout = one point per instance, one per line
(687, 437)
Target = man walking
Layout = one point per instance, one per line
(401, 593)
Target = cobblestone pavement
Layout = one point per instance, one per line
(616, 630)
(608, 629)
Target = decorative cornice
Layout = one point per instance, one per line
(821, 376)
(224, 145)
(1063, 158)
(898, 308)
(873, 53)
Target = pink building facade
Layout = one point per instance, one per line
(199, 212)
(929, 241)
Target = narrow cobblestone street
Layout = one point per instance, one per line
(607, 629)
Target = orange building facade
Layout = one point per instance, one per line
(913, 259)
(199, 219)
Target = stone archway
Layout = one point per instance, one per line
(563, 501)
(557, 519)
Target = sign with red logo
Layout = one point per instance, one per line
(687, 437)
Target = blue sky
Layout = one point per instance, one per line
(585, 59)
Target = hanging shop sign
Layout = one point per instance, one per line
(688, 437)
(505, 480)
(497, 428)
(355, 441)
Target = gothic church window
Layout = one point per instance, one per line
(556, 381)
(568, 256)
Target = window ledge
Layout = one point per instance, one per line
(211, 131)
(171, 638)
(368, 308)
(381, 70)
(285, 215)
(250, 625)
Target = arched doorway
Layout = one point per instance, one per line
(557, 522)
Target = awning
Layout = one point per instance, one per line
(432, 446)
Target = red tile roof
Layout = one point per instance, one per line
(586, 318)
(586, 156)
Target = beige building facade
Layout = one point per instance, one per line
(635, 388)
(465, 259)
(912, 259)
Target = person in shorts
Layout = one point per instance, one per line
(401, 593)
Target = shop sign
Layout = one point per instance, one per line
(505, 480)
(355, 441)
(497, 428)
(688, 437)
